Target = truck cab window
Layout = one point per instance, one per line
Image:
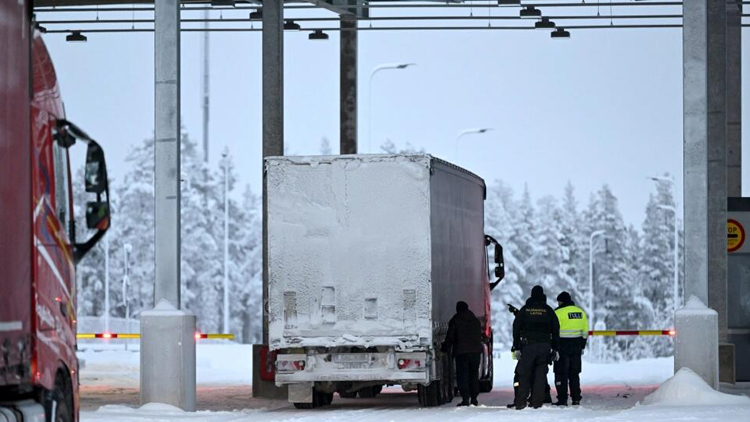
(62, 191)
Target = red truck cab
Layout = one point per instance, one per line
(38, 245)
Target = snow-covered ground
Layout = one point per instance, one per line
(612, 392)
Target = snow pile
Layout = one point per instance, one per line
(695, 306)
(686, 388)
(159, 412)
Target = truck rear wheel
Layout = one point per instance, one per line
(430, 395)
(485, 383)
(367, 392)
(347, 395)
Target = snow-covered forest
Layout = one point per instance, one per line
(546, 241)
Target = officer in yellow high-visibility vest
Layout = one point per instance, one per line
(574, 332)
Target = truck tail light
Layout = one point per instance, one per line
(409, 364)
(289, 366)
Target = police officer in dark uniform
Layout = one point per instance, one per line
(464, 337)
(536, 335)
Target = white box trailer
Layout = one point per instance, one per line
(367, 257)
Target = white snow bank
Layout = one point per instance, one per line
(159, 412)
(686, 388)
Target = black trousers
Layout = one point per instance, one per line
(467, 375)
(566, 374)
(532, 374)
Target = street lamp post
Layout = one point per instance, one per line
(676, 282)
(469, 132)
(591, 276)
(128, 248)
(591, 272)
(106, 283)
(226, 245)
(391, 66)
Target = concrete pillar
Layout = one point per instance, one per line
(348, 90)
(167, 151)
(168, 357)
(705, 158)
(696, 344)
(734, 98)
(167, 342)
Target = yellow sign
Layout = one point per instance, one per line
(735, 235)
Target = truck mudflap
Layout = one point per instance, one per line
(412, 367)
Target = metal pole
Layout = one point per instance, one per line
(106, 283)
(125, 281)
(273, 113)
(377, 69)
(677, 301)
(348, 85)
(226, 246)
(676, 291)
(591, 273)
(167, 151)
(205, 86)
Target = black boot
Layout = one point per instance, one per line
(561, 403)
(474, 402)
(576, 402)
(463, 403)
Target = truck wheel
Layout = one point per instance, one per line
(367, 392)
(448, 381)
(430, 395)
(485, 384)
(347, 395)
(326, 398)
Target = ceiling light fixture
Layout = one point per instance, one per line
(291, 25)
(560, 33)
(545, 23)
(76, 36)
(530, 12)
(318, 34)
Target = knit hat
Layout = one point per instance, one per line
(564, 297)
(462, 306)
(537, 292)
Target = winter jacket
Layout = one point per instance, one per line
(536, 322)
(574, 327)
(464, 334)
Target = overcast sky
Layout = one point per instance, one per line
(602, 107)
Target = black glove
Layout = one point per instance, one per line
(512, 309)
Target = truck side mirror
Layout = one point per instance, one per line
(97, 215)
(500, 261)
(96, 169)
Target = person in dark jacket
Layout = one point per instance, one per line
(464, 339)
(536, 335)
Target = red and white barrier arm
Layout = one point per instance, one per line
(107, 336)
(612, 333)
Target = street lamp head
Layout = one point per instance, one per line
(404, 65)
